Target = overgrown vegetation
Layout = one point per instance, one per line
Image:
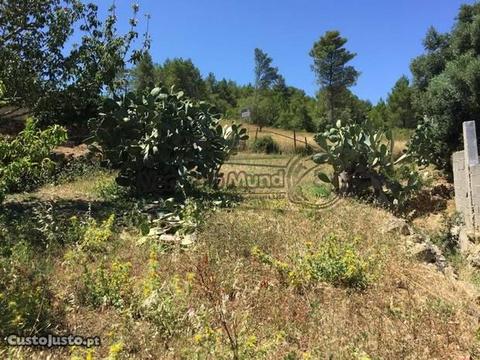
(445, 80)
(363, 164)
(135, 242)
(25, 160)
(160, 141)
(332, 261)
(266, 144)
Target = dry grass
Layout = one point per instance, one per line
(408, 311)
(84, 188)
(284, 138)
(411, 311)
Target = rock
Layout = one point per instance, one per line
(423, 252)
(416, 238)
(474, 258)
(188, 239)
(432, 255)
(397, 226)
(169, 238)
(450, 272)
(441, 261)
(429, 253)
(465, 240)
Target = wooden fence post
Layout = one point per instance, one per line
(294, 140)
(256, 134)
(306, 144)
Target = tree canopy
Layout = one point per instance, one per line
(446, 81)
(265, 74)
(400, 104)
(184, 75)
(38, 70)
(330, 59)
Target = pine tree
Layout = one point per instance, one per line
(330, 59)
(400, 104)
(265, 74)
(144, 73)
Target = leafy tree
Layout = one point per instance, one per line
(144, 73)
(296, 113)
(32, 34)
(183, 75)
(38, 72)
(25, 159)
(350, 108)
(330, 59)
(211, 83)
(379, 115)
(400, 104)
(446, 87)
(223, 94)
(354, 109)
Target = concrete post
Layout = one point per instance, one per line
(466, 175)
(470, 143)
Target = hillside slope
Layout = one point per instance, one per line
(262, 280)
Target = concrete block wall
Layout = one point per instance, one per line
(466, 175)
(462, 191)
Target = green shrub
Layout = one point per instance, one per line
(425, 146)
(25, 159)
(333, 261)
(165, 304)
(446, 91)
(319, 191)
(90, 237)
(107, 285)
(266, 144)
(160, 141)
(3, 100)
(363, 164)
(25, 297)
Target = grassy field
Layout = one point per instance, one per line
(264, 279)
(284, 138)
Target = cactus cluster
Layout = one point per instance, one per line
(161, 140)
(363, 163)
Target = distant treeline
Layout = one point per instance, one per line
(270, 101)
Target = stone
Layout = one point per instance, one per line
(417, 238)
(169, 238)
(188, 239)
(450, 273)
(467, 240)
(466, 176)
(470, 143)
(474, 260)
(429, 253)
(397, 226)
(423, 252)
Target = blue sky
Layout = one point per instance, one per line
(220, 35)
